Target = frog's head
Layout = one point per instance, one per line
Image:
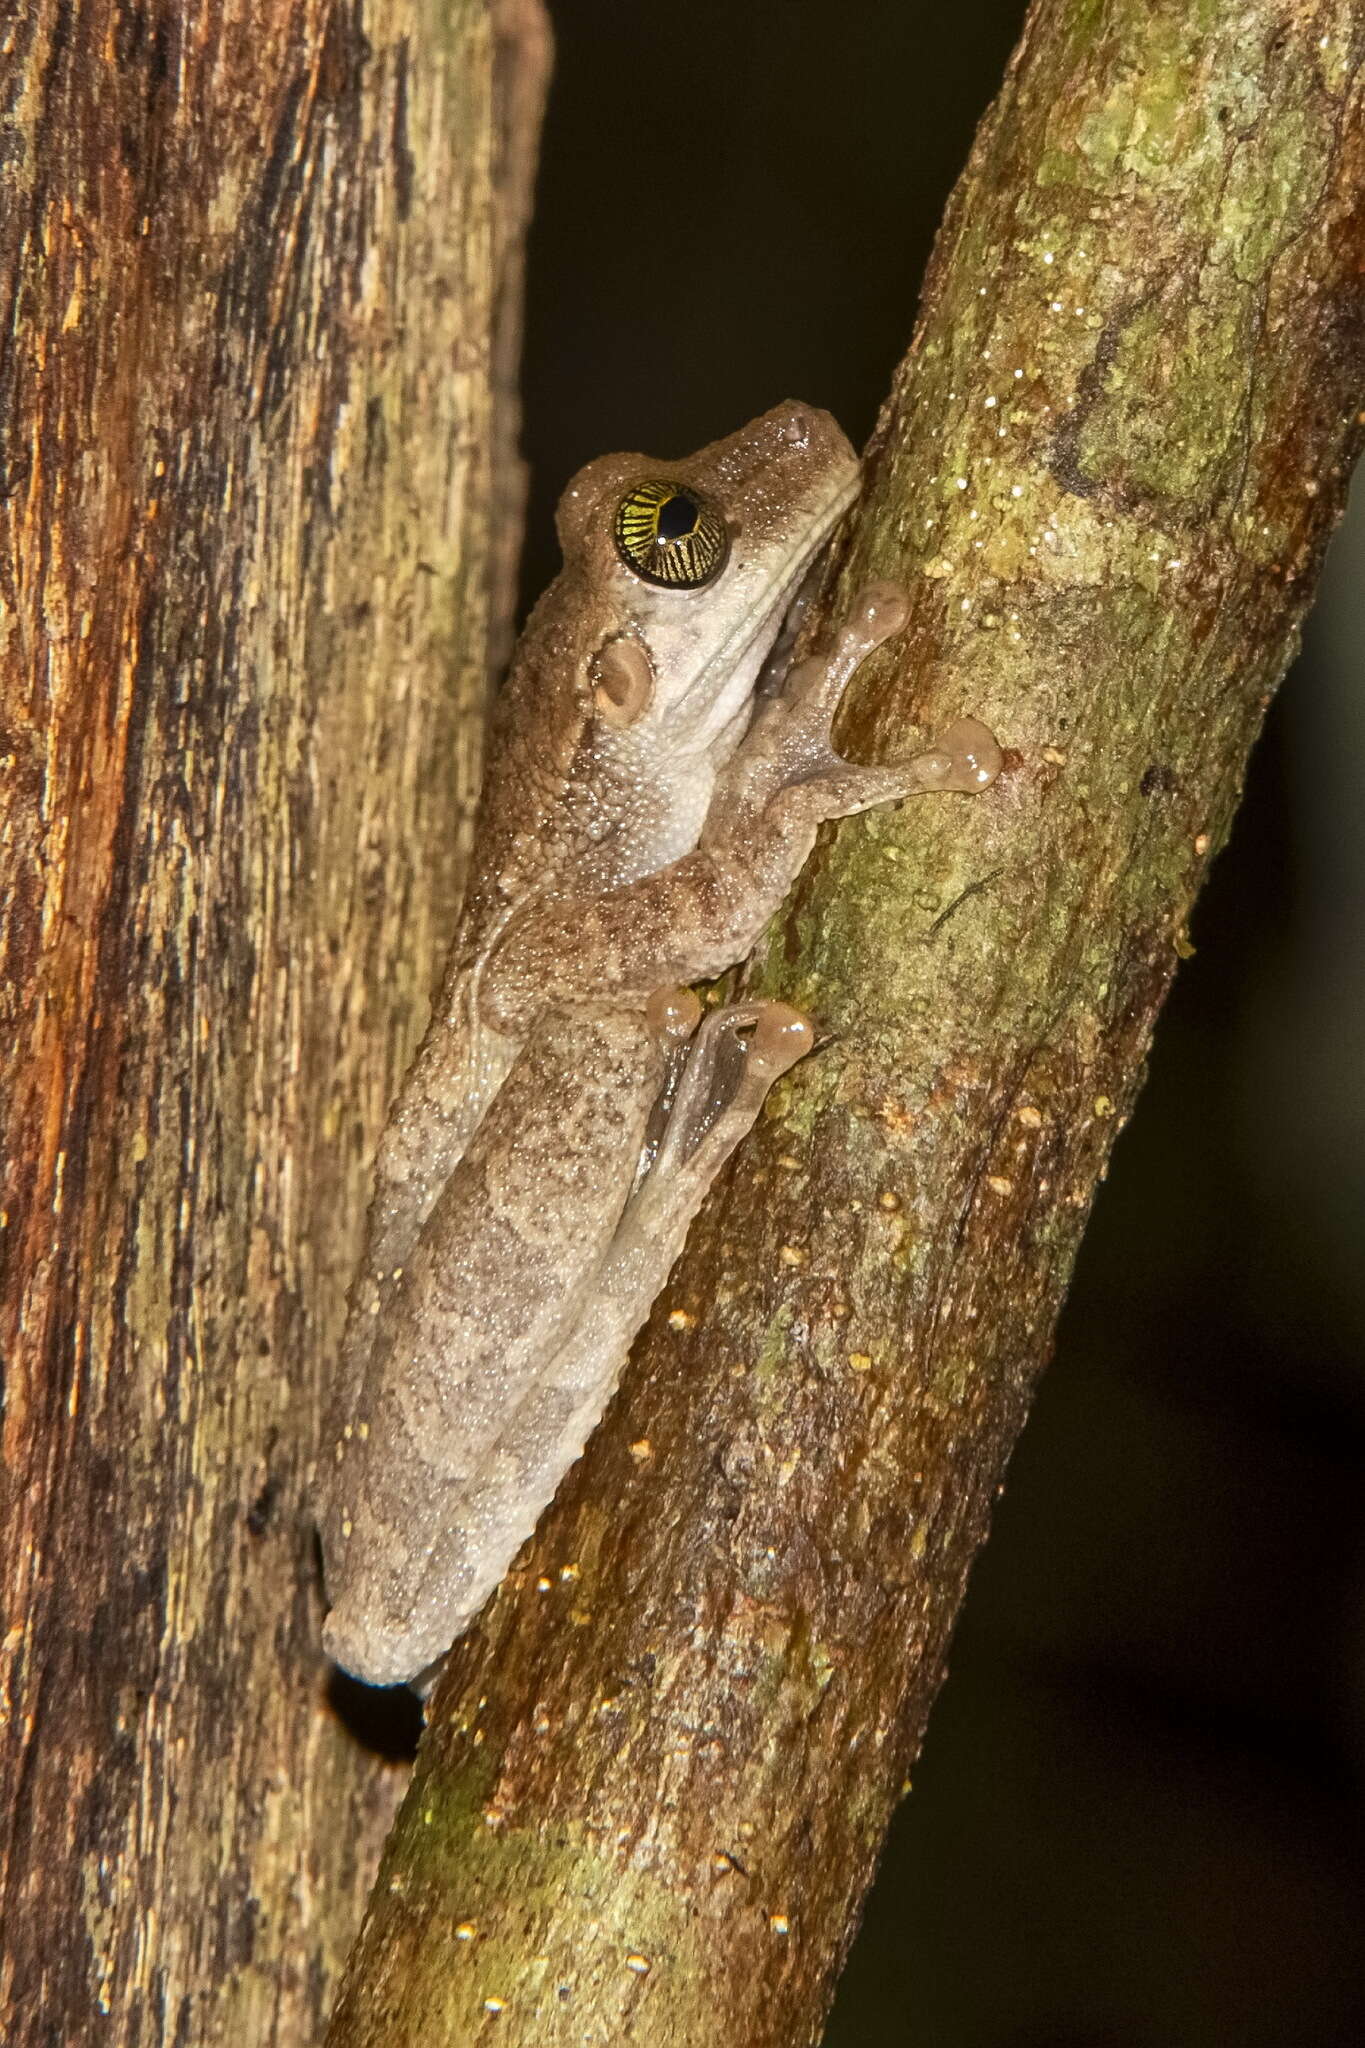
(634, 679)
(681, 573)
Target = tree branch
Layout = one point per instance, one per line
(659, 1772)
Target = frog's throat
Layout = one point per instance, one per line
(722, 688)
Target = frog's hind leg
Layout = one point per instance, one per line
(458, 1070)
(737, 1054)
(497, 1276)
(453, 1460)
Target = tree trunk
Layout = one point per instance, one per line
(659, 1771)
(262, 266)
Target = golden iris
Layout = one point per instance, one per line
(670, 534)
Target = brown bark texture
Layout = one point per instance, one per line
(659, 1770)
(261, 269)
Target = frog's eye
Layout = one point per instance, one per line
(671, 534)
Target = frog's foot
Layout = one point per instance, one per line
(790, 752)
(731, 1063)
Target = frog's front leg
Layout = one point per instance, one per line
(788, 769)
(704, 912)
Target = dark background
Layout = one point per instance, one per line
(1138, 1819)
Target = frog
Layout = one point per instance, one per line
(659, 764)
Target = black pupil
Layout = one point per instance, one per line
(677, 517)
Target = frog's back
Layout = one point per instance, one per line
(535, 733)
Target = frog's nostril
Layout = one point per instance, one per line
(808, 432)
(796, 428)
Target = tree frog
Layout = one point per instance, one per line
(654, 785)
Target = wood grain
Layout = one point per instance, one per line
(261, 265)
(659, 1773)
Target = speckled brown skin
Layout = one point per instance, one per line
(633, 839)
(493, 1284)
(573, 804)
(468, 1454)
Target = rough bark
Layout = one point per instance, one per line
(261, 264)
(659, 1771)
